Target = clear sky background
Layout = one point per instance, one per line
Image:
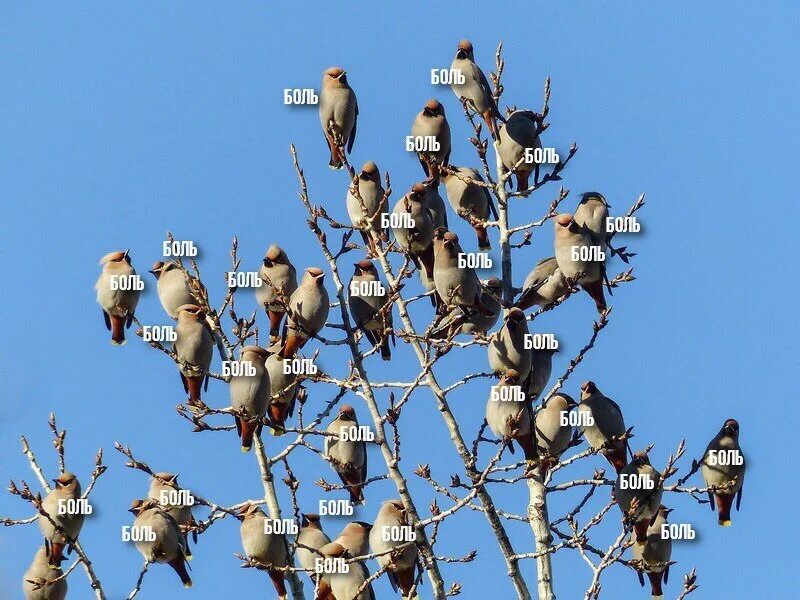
(120, 122)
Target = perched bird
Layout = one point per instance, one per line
(283, 393)
(280, 281)
(309, 306)
(119, 305)
(414, 230)
(457, 321)
(173, 286)
(541, 368)
(347, 457)
(591, 213)
(520, 133)
(250, 395)
(342, 584)
(367, 299)
(572, 238)
(39, 573)
(400, 564)
(653, 557)
(60, 531)
(431, 122)
(471, 201)
(269, 549)
(163, 488)
(544, 285)
(551, 434)
(507, 346)
(312, 536)
(374, 200)
(475, 89)
(194, 346)
(510, 417)
(338, 114)
(355, 538)
(168, 545)
(455, 286)
(727, 478)
(638, 492)
(607, 424)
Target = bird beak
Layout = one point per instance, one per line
(667, 511)
(127, 253)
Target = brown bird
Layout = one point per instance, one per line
(308, 311)
(471, 201)
(367, 300)
(269, 549)
(638, 492)
(194, 346)
(348, 457)
(338, 114)
(280, 281)
(400, 564)
(577, 255)
(167, 547)
(432, 122)
(475, 90)
(116, 294)
(414, 230)
(604, 425)
(723, 467)
(510, 417)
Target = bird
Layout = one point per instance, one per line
(603, 425)
(250, 394)
(172, 286)
(507, 349)
(455, 286)
(457, 321)
(279, 279)
(348, 457)
(400, 564)
(435, 204)
(432, 122)
(639, 498)
(544, 285)
(311, 536)
(167, 545)
(572, 238)
(193, 346)
(61, 530)
(369, 308)
(517, 139)
(119, 305)
(162, 486)
(338, 114)
(374, 200)
(541, 368)
(342, 584)
(551, 434)
(471, 201)
(510, 417)
(309, 306)
(283, 392)
(268, 549)
(653, 557)
(40, 573)
(414, 227)
(725, 480)
(475, 89)
(592, 213)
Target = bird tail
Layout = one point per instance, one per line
(640, 528)
(277, 415)
(405, 581)
(724, 503)
(56, 554)
(279, 582)
(336, 153)
(483, 237)
(522, 180)
(248, 429)
(193, 386)
(595, 290)
(386, 351)
(655, 585)
(617, 456)
(526, 443)
(117, 330)
(426, 258)
(179, 566)
(292, 344)
(275, 319)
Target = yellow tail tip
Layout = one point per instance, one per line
(277, 432)
(187, 585)
(189, 557)
(116, 343)
(724, 523)
(245, 449)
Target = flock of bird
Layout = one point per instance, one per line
(463, 305)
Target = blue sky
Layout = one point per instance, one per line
(121, 122)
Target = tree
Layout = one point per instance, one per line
(384, 398)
